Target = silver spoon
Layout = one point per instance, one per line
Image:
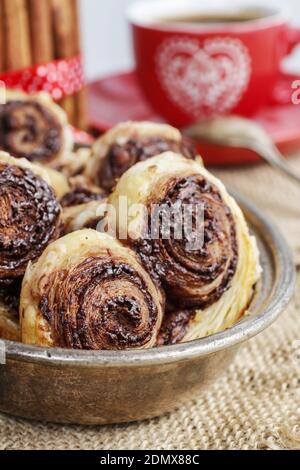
(234, 131)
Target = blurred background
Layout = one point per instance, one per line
(106, 36)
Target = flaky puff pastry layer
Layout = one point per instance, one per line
(129, 142)
(74, 163)
(89, 292)
(217, 281)
(9, 324)
(87, 215)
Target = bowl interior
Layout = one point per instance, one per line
(272, 295)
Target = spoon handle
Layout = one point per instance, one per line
(271, 155)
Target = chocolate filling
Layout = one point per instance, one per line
(99, 304)
(10, 297)
(121, 157)
(192, 277)
(174, 327)
(81, 196)
(30, 219)
(29, 130)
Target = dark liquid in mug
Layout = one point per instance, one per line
(207, 19)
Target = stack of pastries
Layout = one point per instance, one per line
(67, 281)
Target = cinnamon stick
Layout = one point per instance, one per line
(2, 37)
(80, 98)
(41, 30)
(64, 46)
(17, 41)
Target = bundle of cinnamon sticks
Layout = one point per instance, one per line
(39, 31)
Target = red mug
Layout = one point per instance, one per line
(191, 69)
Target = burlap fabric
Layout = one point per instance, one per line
(255, 405)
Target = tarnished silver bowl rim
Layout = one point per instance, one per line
(250, 326)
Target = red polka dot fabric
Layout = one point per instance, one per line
(60, 78)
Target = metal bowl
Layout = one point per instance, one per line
(112, 387)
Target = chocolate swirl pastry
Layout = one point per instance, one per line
(33, 127)
(73, 164)
(129, 143)
(174, 327)
(29, 216)
(89, 292)
(9, 312)
(194, 275)
(81, 192)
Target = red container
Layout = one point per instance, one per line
(192, 71)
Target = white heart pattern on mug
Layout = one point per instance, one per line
(204, 79)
